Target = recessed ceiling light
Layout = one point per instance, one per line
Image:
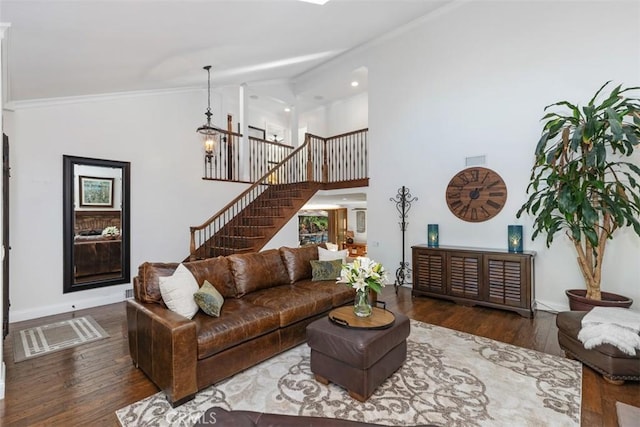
(354, 83)
(287, 109)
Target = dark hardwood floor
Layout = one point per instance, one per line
(87, 384)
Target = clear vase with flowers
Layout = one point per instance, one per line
(362, 275)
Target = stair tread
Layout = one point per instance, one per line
(231, 236)
(225, 248)
(264, 214)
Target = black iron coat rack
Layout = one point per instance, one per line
(403, 202)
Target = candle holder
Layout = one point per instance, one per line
(514, 238)
(432, 235)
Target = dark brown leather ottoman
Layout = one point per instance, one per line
(357, 359)
(614, 365)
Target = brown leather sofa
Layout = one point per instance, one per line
(269, 301)
(221, 417)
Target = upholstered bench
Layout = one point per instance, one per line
(357, 359)
(614, 365)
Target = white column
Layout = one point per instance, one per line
(295, 127)
(243, 104)
(3, 28)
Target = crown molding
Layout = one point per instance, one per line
(49, 102)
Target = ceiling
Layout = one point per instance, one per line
(333, 199)
(62, 48)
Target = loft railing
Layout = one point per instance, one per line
(342, 157)
(319, 160)
(265, 155)
(224, 163)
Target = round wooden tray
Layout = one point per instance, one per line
(379, 319)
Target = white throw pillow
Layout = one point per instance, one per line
(327, 255)
(177, 292)
(332, 246)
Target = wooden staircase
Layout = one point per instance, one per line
(256, 224)
(248, 222)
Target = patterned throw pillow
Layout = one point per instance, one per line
(209, 299)
(326, 270)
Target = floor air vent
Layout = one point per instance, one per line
(128, 293)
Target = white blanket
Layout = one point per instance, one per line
(613, 315)
(619, 327)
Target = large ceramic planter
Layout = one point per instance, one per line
(578, 301)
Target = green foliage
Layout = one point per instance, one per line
(582, 182)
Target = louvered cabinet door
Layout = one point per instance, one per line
(428, 272)
(508, 280)
(488, 277)
(464, 271)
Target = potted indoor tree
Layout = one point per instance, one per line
(584, 183)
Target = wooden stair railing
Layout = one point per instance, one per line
(249, 221)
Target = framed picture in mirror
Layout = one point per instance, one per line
(96, 192)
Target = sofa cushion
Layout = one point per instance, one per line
(259, 270)
(340, 293)
(149, 285)
(325, 270)
(241, 321)
(217, 272)
(296, 261)
(209, 299)
(292, 303)
(177, 292)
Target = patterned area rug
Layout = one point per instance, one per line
(41, 340)
(449, 378)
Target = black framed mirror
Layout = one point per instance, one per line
(96, 223)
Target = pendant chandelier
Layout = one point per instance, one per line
(209, 134)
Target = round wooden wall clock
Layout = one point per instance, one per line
(476, 194)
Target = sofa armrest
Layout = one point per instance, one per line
(163, 344)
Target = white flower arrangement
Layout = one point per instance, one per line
(363, 273)
(111, 231)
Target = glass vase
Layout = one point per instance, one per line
(361, 306)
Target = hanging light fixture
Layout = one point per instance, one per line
(210, 135)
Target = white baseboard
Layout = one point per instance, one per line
(550, 306)
(79, 304)
(2, 380)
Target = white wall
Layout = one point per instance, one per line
(337, 117)
(348, 115)
(475, 81)
(156, 133)
(314, 122)
(287, 236)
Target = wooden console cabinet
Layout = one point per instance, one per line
(472, 276)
